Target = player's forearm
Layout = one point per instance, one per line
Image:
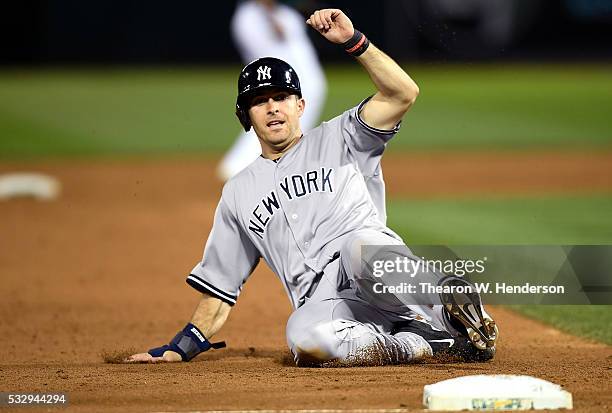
(391, 81)
(210, 315)
(396, 90)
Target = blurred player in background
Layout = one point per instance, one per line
(262, 28)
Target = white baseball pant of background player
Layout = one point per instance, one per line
(263, 28)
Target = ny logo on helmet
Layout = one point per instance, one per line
(263, 73)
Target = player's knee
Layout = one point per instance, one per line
(334, 340)
(312, 345)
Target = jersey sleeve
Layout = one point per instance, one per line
(366, 144)
(365, 147)
(229, 258)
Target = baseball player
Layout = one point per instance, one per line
(307, 206)
(268, 28)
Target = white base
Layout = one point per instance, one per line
(39, 186)
(495, 392)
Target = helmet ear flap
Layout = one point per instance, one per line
(243, 117)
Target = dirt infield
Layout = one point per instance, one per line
(102, 269)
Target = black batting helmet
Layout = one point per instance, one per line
(267, 72)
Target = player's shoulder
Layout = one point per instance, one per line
(333, 125)
(328, 136)
(317, 133)
(236, 187)
(243, 177)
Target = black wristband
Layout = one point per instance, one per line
(357, 44)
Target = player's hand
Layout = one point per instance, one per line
(168, 357)
(333, 24)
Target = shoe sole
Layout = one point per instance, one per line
(467, 307)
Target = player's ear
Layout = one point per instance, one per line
(301, 106)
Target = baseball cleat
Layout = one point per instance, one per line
(464, 304)
(443, 344)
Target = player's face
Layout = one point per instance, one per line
(275, 116)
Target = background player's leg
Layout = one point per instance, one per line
(245, 150)
(314, 91)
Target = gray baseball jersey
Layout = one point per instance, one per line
(296, 213)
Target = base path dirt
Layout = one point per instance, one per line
(492, 173)
(102, 269)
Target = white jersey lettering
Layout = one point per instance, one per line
(263, 73)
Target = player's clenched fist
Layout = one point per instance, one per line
(333, 24)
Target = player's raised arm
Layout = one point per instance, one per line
(396, 90)
(209, 316)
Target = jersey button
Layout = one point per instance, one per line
(307, 244)
(294, 216)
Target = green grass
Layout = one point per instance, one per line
(554, 220)
(159, 112)
(114, 112)
(593, 321)
(173, 111)
(513, 106)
